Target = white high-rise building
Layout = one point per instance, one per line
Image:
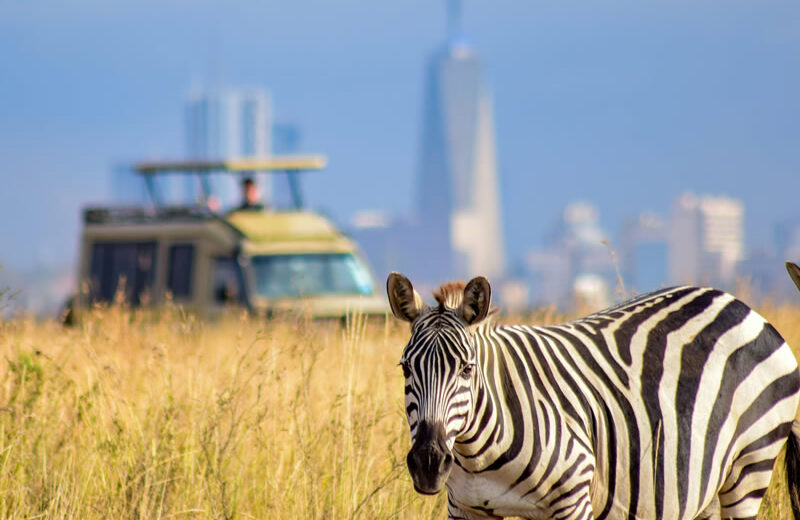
(706, 239)
(456, 231)
(458, 194)
(227, 122)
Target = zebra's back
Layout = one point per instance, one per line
(690, 394)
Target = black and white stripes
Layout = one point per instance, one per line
(672, 405)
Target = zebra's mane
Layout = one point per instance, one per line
(450, 295)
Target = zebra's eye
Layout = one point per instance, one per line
(466, 372)
(406, 371)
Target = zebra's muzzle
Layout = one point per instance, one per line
(429, 461)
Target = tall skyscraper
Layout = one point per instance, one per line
(706, 239)
(458, 195)
(226, 122)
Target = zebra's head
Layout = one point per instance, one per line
(438, 364)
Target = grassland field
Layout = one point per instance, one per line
(145, 415)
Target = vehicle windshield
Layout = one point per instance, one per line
(288, 276)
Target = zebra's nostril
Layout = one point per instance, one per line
(412, 462)
(445, 464)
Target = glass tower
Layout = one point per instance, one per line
(457, 190)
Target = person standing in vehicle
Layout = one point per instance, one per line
(251, 198)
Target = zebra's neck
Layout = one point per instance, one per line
(507, 409)
(492, 414)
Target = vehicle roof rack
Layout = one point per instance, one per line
(285, 163)
(290, 164)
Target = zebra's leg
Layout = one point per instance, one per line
(456, 513)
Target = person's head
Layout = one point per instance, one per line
(250, 191)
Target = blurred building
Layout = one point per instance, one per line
(512, 294)
(127, 186)
(458, 195)
(387, 243)
(787, 239)
(550, 276)
(455, 232)
(391, 244)
(644, 253)
(576, 266)
(228, 122)
(706, 240)
(763, 269)
(286, 140)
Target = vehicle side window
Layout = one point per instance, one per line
(227, 280)
(122, 266)
(179, 270)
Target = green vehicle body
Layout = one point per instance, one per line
(291, 261)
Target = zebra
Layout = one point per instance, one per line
(672, 405)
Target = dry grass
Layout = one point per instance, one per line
(133, 415)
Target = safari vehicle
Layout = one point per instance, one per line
(268, 261)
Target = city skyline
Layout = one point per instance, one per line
(699, 242)
(624, 104)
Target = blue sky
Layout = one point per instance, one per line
(624, 103)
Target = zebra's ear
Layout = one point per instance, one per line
(403, 299)
(794, 272)
(477, 297)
